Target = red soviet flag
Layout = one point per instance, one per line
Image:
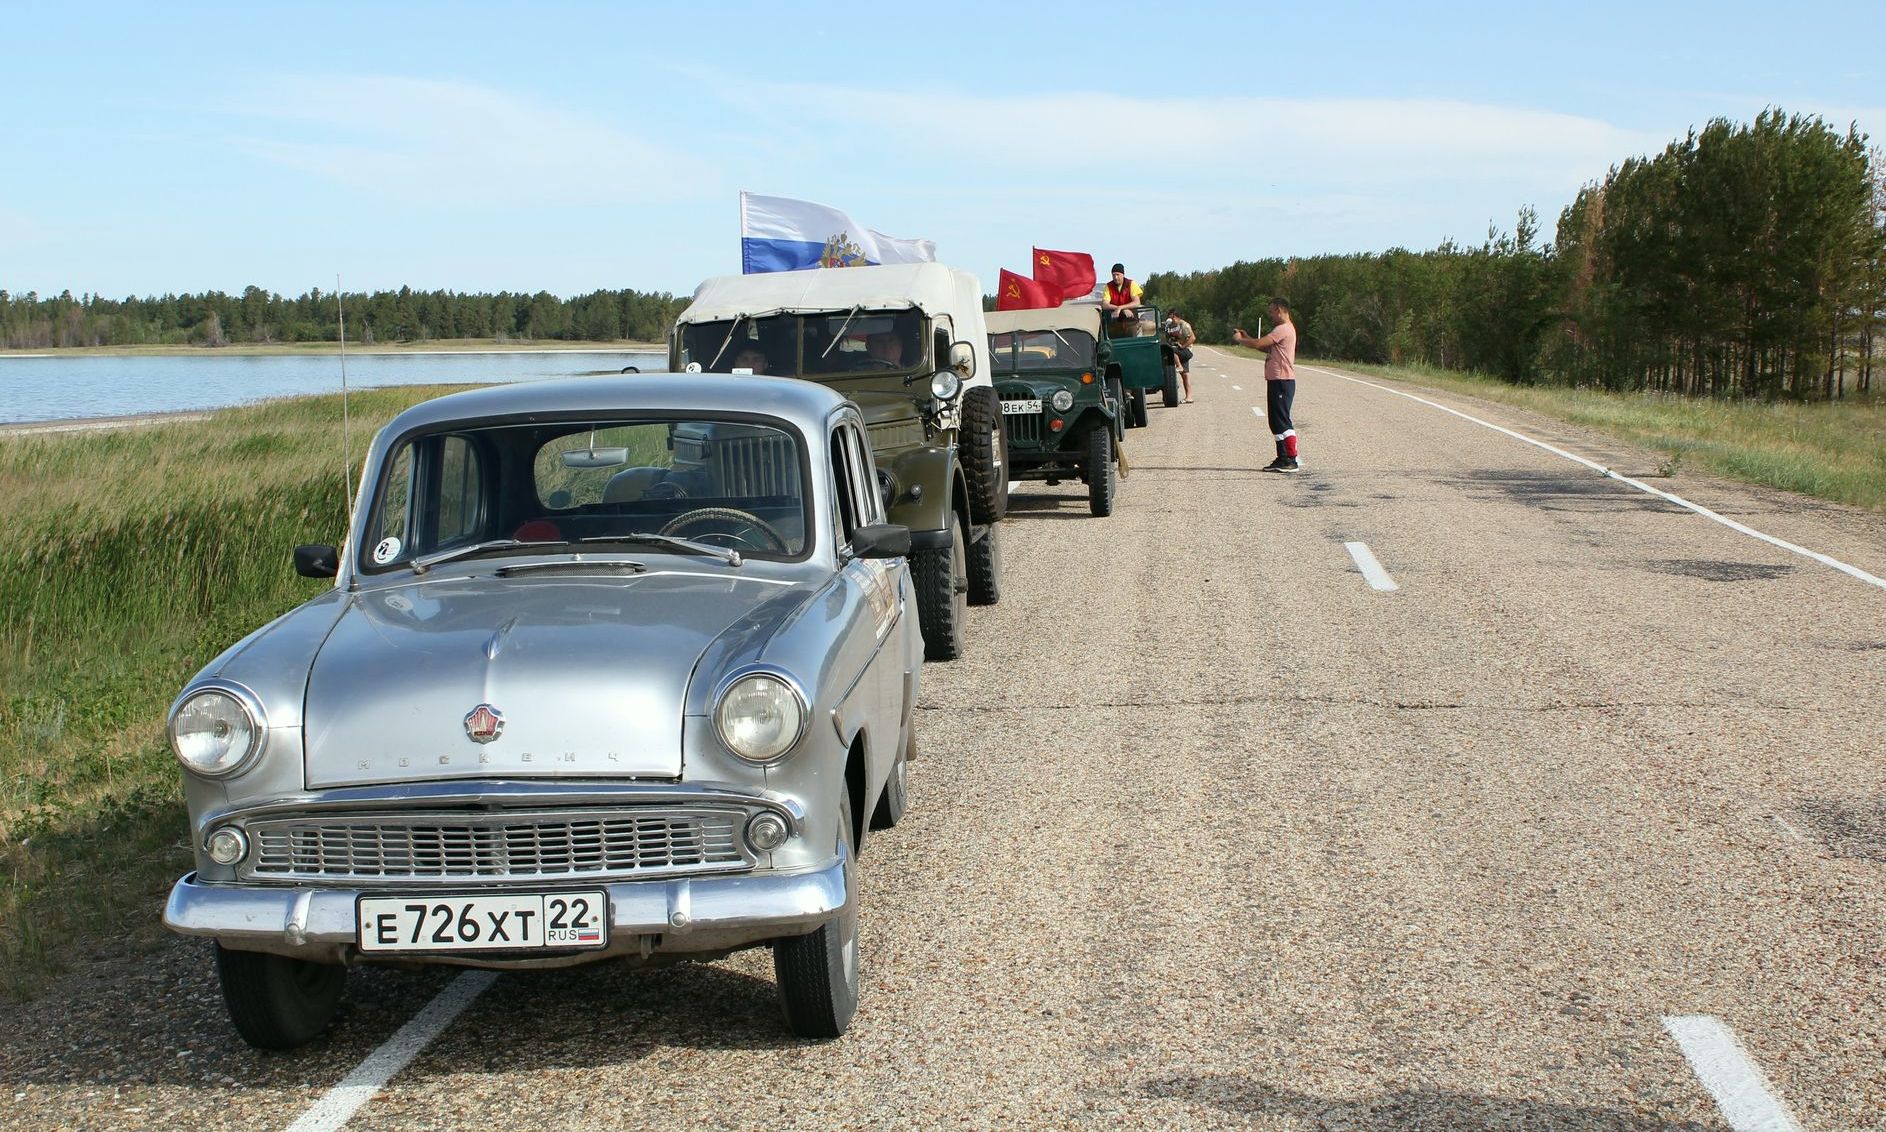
(1019, 293)
(1069, 275)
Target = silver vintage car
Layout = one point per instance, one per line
(613, 668)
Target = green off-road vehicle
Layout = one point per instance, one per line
(906, 343)
(1146, 361)
(1064, 397)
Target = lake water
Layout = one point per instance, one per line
(53, 387)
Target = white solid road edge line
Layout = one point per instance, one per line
(338, 1105)
(1747, 1101)
(1371, 569)
(1823, 559)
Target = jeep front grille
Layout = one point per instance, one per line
(553, 844)
(1024, 429)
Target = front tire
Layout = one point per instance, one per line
(1137, 414)
(1101, 482)
(985, 568)
(277, 1002)
(1169, 393)
(983, 449)
(818, 973)
(941, 578)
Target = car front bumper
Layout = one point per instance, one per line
(681, 916)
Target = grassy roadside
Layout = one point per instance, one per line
(1834, 451)
(127, 560)
(277, 349)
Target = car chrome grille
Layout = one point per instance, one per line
(521, 846)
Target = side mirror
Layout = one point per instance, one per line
(963, 359)
(315, 561)
(881, 540)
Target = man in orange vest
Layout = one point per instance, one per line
(1120, 299)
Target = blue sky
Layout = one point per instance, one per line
(566, 147)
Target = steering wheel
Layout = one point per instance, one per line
(728, 526)
(869, 363)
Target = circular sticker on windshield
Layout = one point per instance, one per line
(386, 552)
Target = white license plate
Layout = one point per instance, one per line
(507, 922)
(1020, 407)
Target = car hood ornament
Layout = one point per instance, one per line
(484, 724)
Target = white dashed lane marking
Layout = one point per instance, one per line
(1823, 559)
(338, 1105)
(1371, 569)
(1747, 1101)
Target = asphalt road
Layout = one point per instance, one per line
(1209, 831)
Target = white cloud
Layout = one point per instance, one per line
(1278, 142)
(456, 143)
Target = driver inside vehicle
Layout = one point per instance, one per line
(750, 358)
(887, 347)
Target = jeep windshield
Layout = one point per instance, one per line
(859, 342)
(591, 487)
(1019, 350)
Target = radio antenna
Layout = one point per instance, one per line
(347, 454)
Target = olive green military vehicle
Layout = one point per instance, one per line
(907, 344)
(1064, 397)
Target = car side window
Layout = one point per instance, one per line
(461, 493)
(870, 503)
(844, 495)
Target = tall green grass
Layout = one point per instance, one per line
(1829, 450)
(128, 559)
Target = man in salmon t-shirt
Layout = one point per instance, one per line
(1280, 382)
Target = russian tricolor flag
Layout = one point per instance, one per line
(782, 234)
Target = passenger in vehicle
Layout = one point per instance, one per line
(887, 347)
(751, 357)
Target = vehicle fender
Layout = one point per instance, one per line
(938, 480)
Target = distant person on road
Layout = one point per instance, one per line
(1179, 333)
(1280, 381)
(1119, 302)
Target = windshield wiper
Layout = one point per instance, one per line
(427, 561)
(842, 327)
(738, 319)
(649, 538)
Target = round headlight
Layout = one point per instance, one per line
(760, 717)
(1062, 400)
(945, 384)
(213, 734)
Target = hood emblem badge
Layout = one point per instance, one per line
(484, 724)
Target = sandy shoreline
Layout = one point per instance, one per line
(92, 424)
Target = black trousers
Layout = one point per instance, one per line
(1278, 396)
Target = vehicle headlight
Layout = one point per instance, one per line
(945, 384)
(1062, 400)
(760, 717)
(214, 734)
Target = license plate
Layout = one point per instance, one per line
(1020, 407)
(507, 922)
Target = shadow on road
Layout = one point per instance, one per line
(1404, 1109)
(160, 1021)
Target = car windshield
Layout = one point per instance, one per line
(1019, 350)
(861, 342)
(528, 488)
